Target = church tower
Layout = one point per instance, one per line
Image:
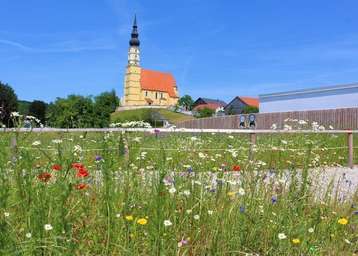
(132, 88)
(144, 87)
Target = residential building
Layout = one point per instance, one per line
(202, 103)
(321, 98)
(239, 103)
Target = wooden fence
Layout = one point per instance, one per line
(346, 118)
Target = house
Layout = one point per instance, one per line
(320, 98)
(144, 87)
(202, 103)
(238, 104)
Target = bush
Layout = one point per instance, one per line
(205, 112)
(249, 110)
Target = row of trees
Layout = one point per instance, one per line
(85, 112)
(71, 112)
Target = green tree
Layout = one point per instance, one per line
(23, 107)
(186, 101)
(105, 104)
(37, 109)
(73, 112)
(8, 103)
(205, 112)
(249, 110)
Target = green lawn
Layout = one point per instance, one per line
(148, 115)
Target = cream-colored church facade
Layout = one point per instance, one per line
(143, 87)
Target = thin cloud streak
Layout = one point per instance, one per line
(68, 46)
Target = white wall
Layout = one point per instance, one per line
(315, 103)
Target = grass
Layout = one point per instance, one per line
(149, 115)
(174, 117)
(169, 194)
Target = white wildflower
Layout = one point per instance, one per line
(56, 141)
(172, 190)
(282, 236)
(241, 192)
(15, 114)
(201, 155)
(193, 138)
(167, 223)
(310, 230)
(77, 149)
(36, 143)
(48, 227)
(210, 212)
(196, 217)
(6, 214)
(28, 235)
(186, 192)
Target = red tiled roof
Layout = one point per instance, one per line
(157, 81)
(250, 101)
(212, 106)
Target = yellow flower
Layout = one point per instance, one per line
(231, 193)
(296, 241)
(142, 221)
(343, 221)
(129, 217)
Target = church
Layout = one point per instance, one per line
(144, 87)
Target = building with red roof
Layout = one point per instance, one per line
(143, 87)
(239, 103)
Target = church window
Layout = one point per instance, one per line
(146, 93)
(156, 95)
(161, 95)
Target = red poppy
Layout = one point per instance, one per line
(81, 186)
(236, 168)
(77, 166)
(44, 177)
(56, 167)
(82, 172)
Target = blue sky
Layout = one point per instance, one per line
(216, 49)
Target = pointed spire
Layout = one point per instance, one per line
(135, 20)
(134, 35)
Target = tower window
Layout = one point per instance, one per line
(156, 95)
(146, 93)
(161, 95)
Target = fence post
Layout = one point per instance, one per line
(350, 149)
(13, 146)
(252, 145)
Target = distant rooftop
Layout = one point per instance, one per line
(213, 101)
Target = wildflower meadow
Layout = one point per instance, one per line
(153, 193)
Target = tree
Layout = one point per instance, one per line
(73, 112)
(186, 101)
(37, 109)
(249, 110)
(8, 103)
(105, 104)
(206, 112)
